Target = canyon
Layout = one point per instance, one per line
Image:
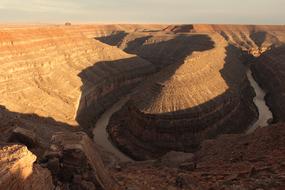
(112, 106)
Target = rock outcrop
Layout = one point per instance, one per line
(205, 95)
(18, 171)
(75, 162)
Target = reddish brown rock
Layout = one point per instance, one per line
(74, 160)
(68, 71)
(18, 171)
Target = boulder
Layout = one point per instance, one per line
(23, 136)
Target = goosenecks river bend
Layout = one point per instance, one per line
(101, 136)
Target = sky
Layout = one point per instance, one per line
(143, 11)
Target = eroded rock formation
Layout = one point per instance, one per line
(60, 73)
(18, 171)
(53, 78)
(205, 95)
(75, 162)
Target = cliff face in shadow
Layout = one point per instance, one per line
(105, 82)
(166, 114)
(113, 39)
(269, 71)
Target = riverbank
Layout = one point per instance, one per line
(265, 114)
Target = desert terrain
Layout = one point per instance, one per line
(142, 107)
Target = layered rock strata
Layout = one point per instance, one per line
(253, 38)
(18, 171)
(58, 72)
(205, 95)
(159, 48)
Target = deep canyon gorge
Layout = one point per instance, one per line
(144, 107)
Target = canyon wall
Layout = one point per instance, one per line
(188, 85)
(56, 71)
(269, 71)
(204, 94)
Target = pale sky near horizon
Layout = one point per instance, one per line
(143, 11)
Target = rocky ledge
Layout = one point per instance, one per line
(18, 170)
(75, 163)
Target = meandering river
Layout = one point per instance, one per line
(101, 136)
(264, 112)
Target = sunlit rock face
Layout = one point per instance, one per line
(18, 171)
(56, 71)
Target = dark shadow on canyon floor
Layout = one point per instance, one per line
(180, 29)
(132, 45)
(164, 52)
(113, 39)
(105, 82)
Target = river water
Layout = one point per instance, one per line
(101, 136)
(264, 112)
